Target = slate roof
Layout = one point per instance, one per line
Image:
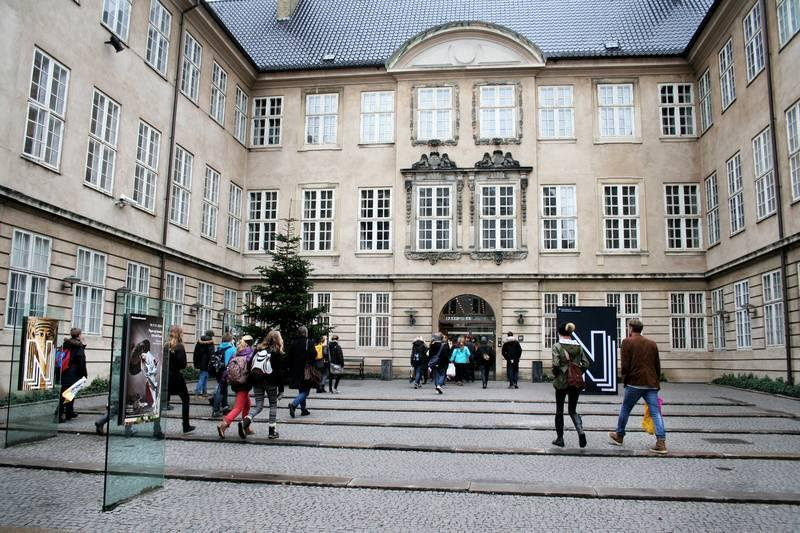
(367, 32)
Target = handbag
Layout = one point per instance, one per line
(336, 369)
(575, 376)
(451, 370)
(312, 375)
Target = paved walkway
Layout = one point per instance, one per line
(383, 451)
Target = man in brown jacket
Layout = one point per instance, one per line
(641, 369)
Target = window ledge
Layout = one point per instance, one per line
(766, 217)
(319, 148)
(144, 209)
(790, 39)
(387, 253)
(795, 201)
(710, 246)
(685, 252)
(180, 226)
(677, 138)
(318, 254)
(623, 253)
(620, 140)
(266, 148)
(558, 140)
(209, 239)
(376, 145)
(98, 189)
(40, 163)
(735, 233)
(574, 253)
(154, 69)
(707, 129)
(729, 106)
(750, 82)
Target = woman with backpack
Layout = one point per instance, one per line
(418, 360)
(236, 375)
(176, 383)
(570, 361)
(265, 376)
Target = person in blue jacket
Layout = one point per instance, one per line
(220, 400)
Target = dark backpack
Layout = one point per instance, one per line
(216, 365)
(237, 371)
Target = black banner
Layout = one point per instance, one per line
(596, 330)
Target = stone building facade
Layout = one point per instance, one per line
(470, 179)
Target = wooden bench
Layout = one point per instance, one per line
(354, 361)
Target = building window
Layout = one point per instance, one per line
(434, 113)
(615, 107)
(793, 140)
(497, 113)
(741, 292)
(101, 156)
(735, 195)
(157, 54)
(267, 119)
(373, 319)
(210, 204)
(677, 109)
(173, 299)
(47, 102)
(181, 187)
(322, 118)
(117, 17)
(551, 301)
(753, 43)
(146, 175)
(205, 297)
(27, 277)
(621, 217)
(219, 86)
(228, 310)
(321, 300)
(240, 116)
(788, 19)
(234, 216)
(765, 177)
(138, 281)
(773, 308)
(712, 209)
(556, 112)
(190, 72)
(377, 117)
(375, 220)
(627, 307)
(704, 85)
(559, 217)
(434, 218)
(262, 221)
(683, 217)
(688, 321)
(318, 217)
(497, 217)
(718, 318)
(727, 86)
(87, 311)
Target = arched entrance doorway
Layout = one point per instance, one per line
(468, 314)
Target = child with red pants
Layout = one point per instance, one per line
(244, 353)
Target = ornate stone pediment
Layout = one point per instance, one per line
(434, 162)
(497, 160)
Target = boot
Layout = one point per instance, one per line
(559, 441)
(273, 432)
(240, 428)
(221, 428)
(576, 419)
(660, 447)
(246, 422)
(616, 439)
(305, 412)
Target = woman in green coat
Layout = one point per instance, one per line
(568, 351)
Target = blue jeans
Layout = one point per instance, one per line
(439, 376)
(202, 383)
(419, 372)
(632, 395)
(300, 399)
(221, 397)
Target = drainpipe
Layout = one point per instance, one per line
(778, 198)
(162, 256)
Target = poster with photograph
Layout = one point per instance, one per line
(141, 368)
(38, 353)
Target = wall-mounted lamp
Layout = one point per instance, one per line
(114, 41)
(223, 313)
(725, 315)
(69, 281)
(194, 308)
(752, 309)
(520, 315)
(411, 312)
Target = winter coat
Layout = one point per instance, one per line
(301, 352)
(230, 351)
(77, 362)
(202, 354)
(460, 355)
(565, 351)
(439, 353)
(421, 350)
(177, 362)
(336, 354)
(512, 351)
(641, 365)
(485, 350)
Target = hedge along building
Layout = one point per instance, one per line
(453, 165)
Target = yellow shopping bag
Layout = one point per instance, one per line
(647, 422)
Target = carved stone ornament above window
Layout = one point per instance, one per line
(434, 162)
(499, 256)
(433, 257)
(497, 160)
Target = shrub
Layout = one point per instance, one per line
(190, 373)
(763, 384)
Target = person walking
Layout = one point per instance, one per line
(321, 361)
(301, 353)
(237, 376)
(418, 351)
(570, 361)
(219, 403)
(439, 352)
(472, 346)
(200, 358)
(512, 353)
(485, 359)
(265, 375)
(335, 364)
(460, 357)
(73, 368)
(641, 372)
(176, 383)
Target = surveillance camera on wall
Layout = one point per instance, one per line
(124, 200)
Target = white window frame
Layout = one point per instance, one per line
(735, 193)
(377, 117)
(219, 88)
(267, 120)
(744, 336)
(727, 79)
(788, 20)
(375, 220)
(625, 221)
(436, 218)
(262, 221)
(493, 215)
(319, 219)
(559, 217)
(29, 265)
(158, 31)
(706, 104)
(373, 320)
(557, 109)
(682, 216)
(174, 293)
(441, 118)
(47, 108)
(181, 198)
(766, 203)
(793, 146)
(718, 317)
(234, 235)
(676, 107)
(240, 115)
(323, 300)
(137, 280)
(145, 178)
(208, 226)
(628, 307)
(491, 110)
(101, 154)
(229, 299)
(616, 112)
(326, 118)
(550, 302)
(772, 290)
(687, 320)
(89, 292)
(753, 42)
(712, 209)
(117, 17)
(205, 297)
(190, 69)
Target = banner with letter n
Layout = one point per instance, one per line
(596, 331)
